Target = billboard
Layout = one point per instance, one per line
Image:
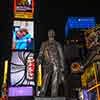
(24, 9)
(20, 91)
(79, 23)
(23, 35)
(82, 22)
(22, 69)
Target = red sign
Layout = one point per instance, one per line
(30, 68)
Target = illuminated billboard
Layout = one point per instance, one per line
(22, 69)
(82, 22)
(79, 23)
(20, 91)
(24, 9)
(23, 35)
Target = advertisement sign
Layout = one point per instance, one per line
(30, 67)
(24, 9)
(23, 35)
(22, 73)
(20, 91)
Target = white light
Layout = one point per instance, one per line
(79, 20)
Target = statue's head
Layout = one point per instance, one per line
(51, 34)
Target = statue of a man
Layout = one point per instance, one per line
(52, 61)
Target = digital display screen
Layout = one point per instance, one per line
(23, 35)
(22, 69)
(24, 9)
(20, 91)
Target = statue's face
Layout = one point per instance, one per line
(51, 34)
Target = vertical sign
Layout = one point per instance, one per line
(5, 71)
(30, 68)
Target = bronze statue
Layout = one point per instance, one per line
(52, 61)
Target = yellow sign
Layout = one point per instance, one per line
(25, 15)
(5, 71)
(39, 80)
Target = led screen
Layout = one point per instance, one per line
(24, 9)
(20, 91)
(23, 35)
(22, 69)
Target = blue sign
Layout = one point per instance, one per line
(82, 22)
(79, 22)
